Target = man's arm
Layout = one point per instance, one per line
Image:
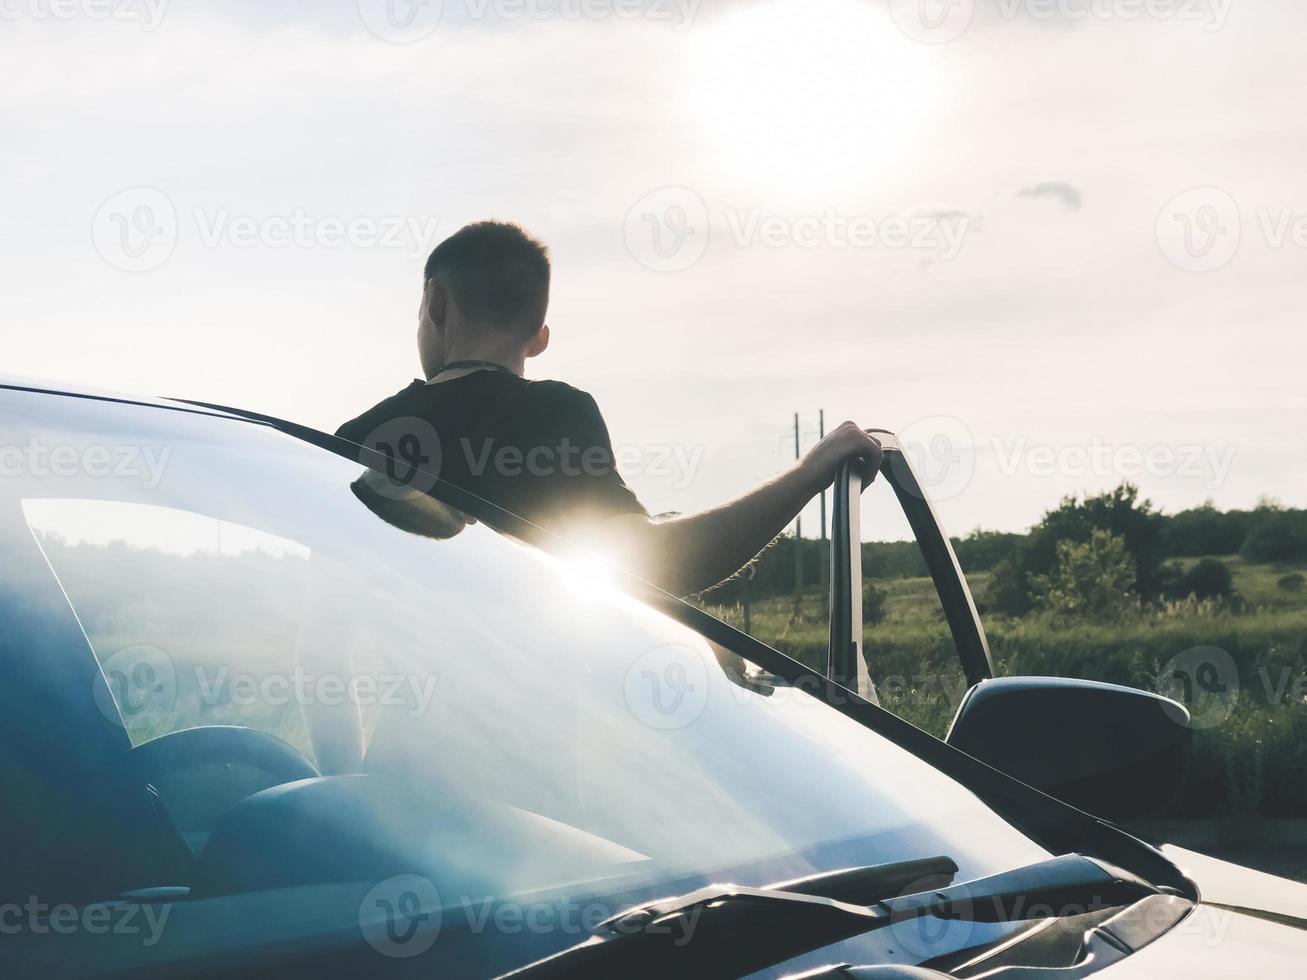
(688, 554)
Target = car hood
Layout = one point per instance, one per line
(1218, 944)
(1233, 886)
(1247, 924)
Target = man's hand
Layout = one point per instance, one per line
(688, 554)
(846, 442)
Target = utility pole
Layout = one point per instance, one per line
(823, 556)
(750, 572)
(798, 533)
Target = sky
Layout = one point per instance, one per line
(1055, 244)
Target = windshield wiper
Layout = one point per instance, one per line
(871, 883)
(725, 930)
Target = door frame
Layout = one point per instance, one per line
(845, 663)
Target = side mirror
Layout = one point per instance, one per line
(1112, 751)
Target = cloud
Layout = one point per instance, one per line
(1059, 190)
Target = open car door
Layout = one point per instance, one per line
(937, 551)
(1113, 751)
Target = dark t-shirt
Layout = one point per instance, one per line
(539, 449)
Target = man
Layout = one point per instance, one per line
(541, 449)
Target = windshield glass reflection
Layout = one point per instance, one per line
(483, 715)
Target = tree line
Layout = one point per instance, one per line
(1091, 554)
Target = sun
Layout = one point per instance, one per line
(810, 95)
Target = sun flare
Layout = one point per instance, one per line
(804, 95)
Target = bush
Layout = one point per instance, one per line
(1276, 535)
(1008, 591)
(873, 604)
(983, 551)
(1204, 531)
(1119, 512)
(1095, 578)
(1209, 578)
(1293, 582)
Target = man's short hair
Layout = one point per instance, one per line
(497, 273)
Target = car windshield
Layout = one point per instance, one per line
(488, 721)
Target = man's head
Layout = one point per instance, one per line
(485, 297)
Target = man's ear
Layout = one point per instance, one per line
(435, 301)
(539, 342)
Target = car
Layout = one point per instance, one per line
(275, 704)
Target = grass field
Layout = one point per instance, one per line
(1249, 760)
